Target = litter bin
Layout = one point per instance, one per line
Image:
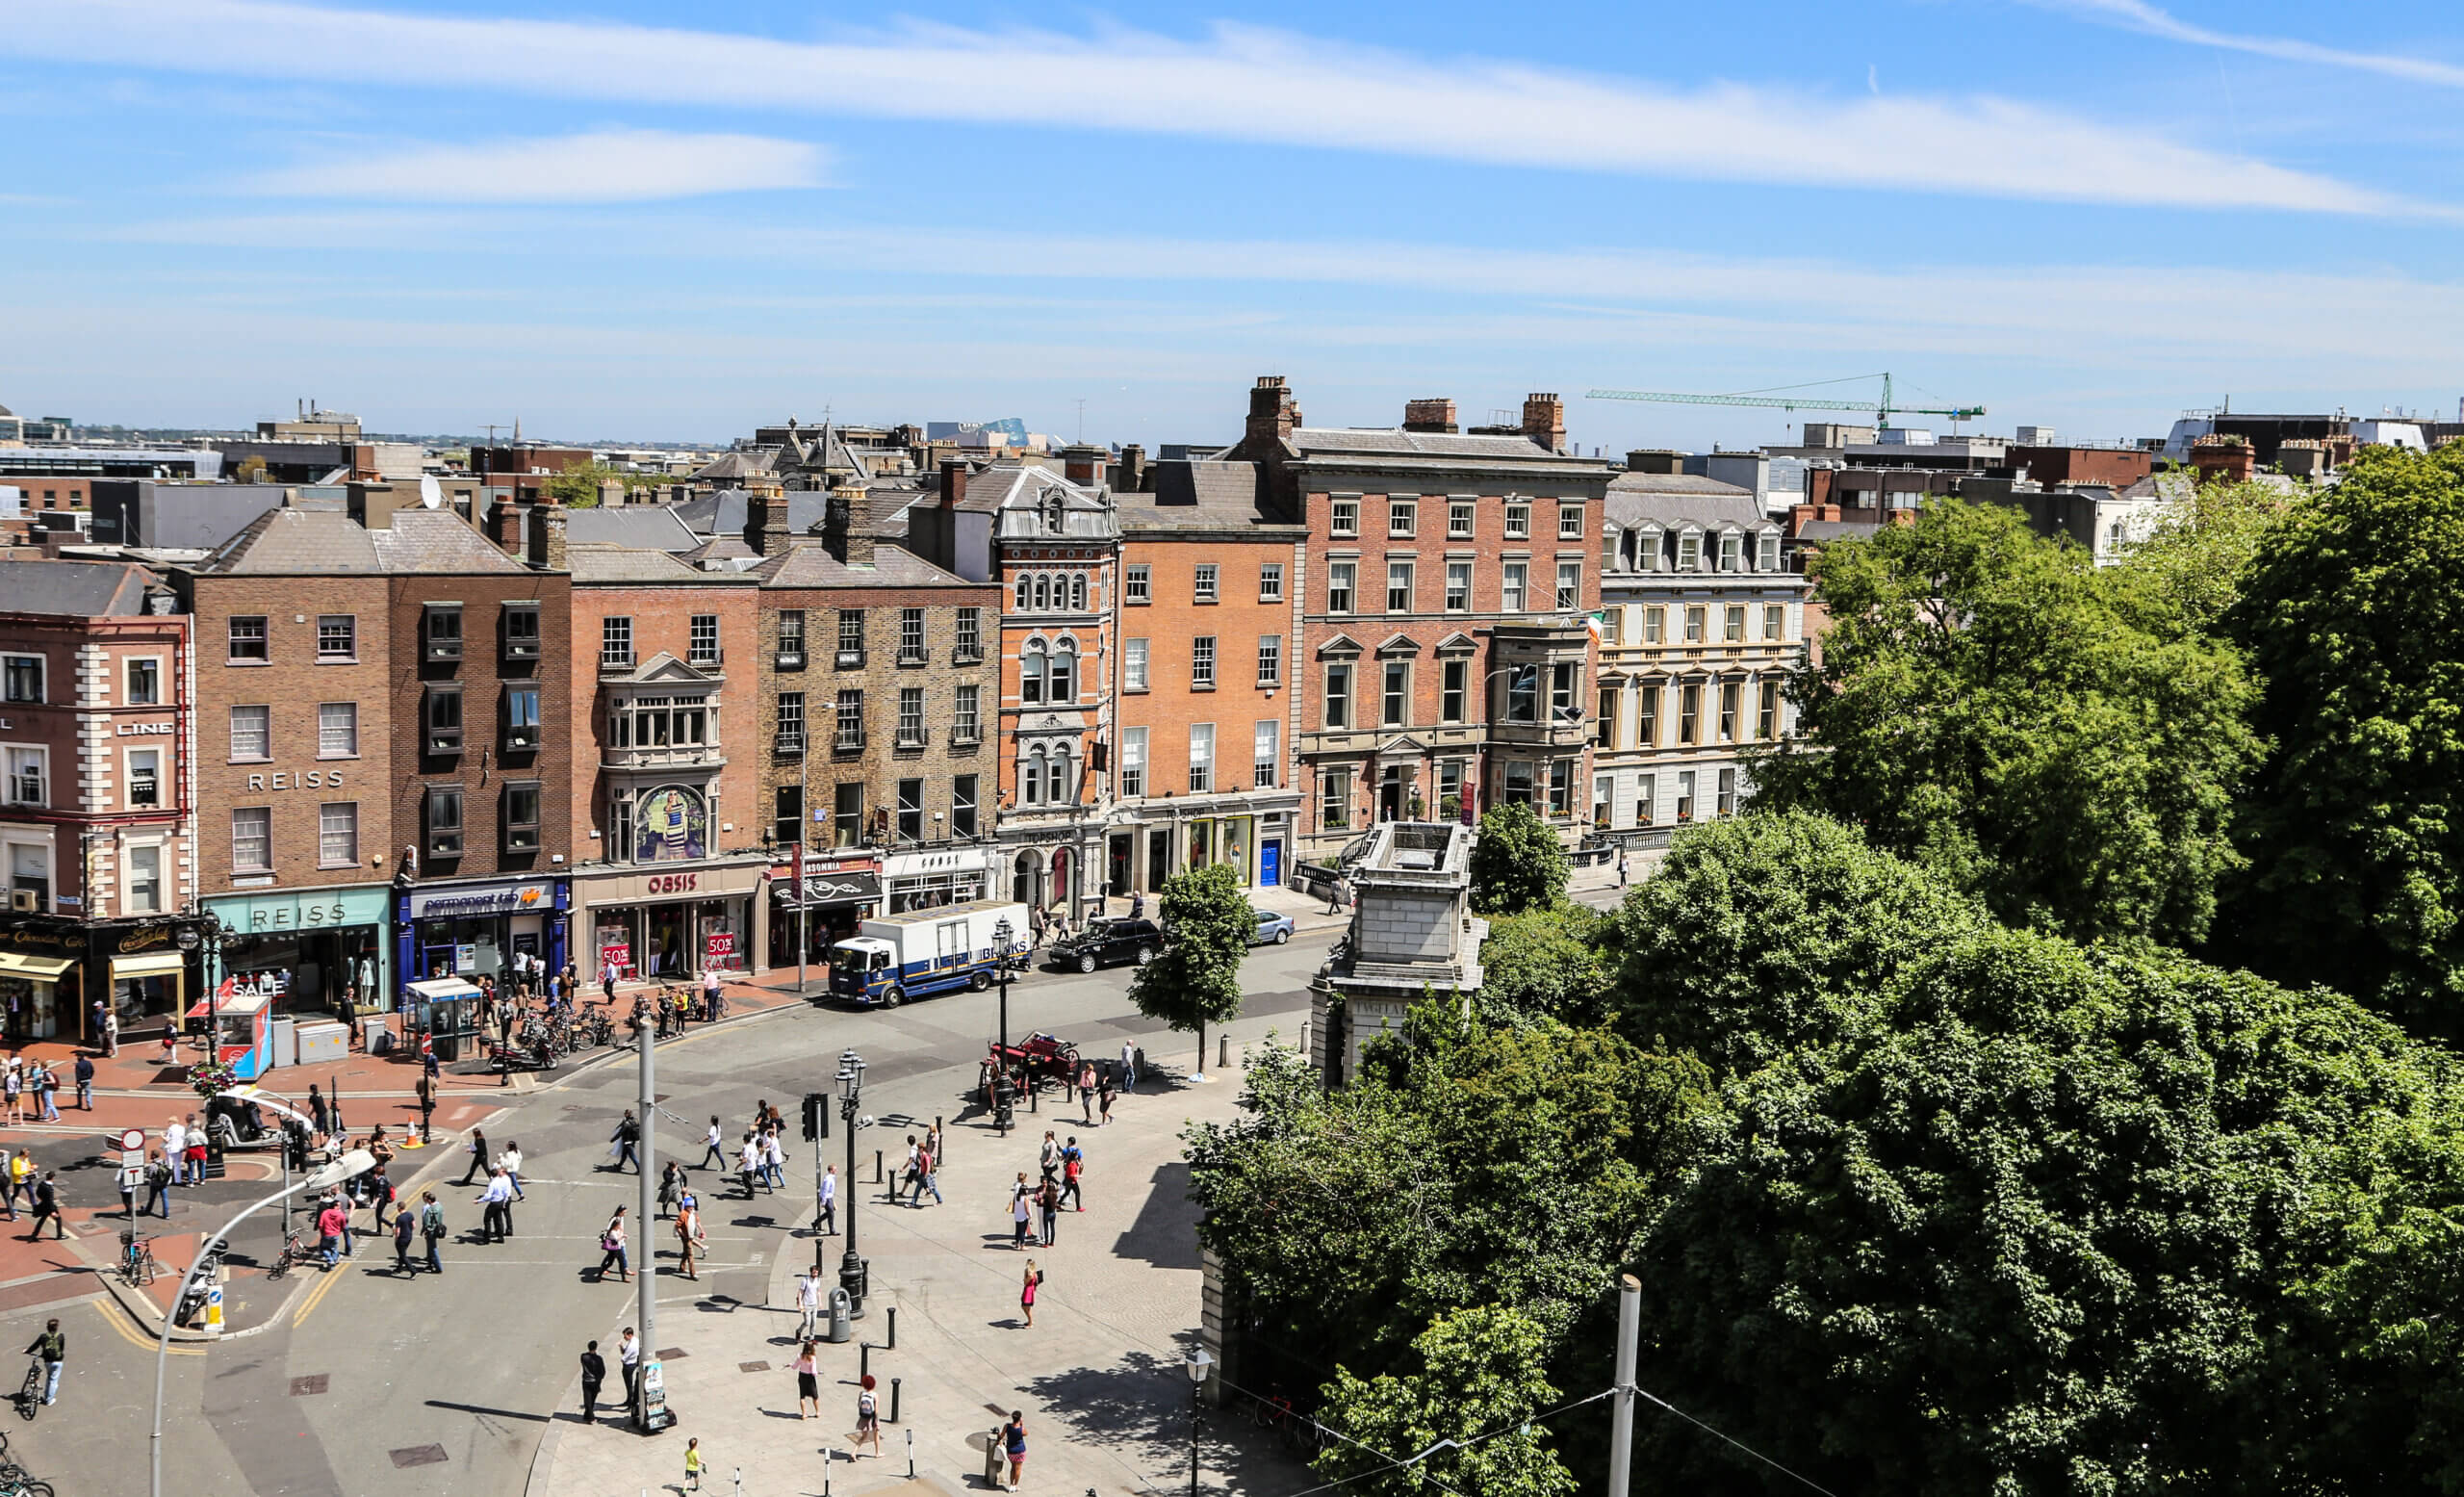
(992, 1458)
(842, 1318)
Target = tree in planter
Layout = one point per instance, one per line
(1197, 977)
(1517, 862)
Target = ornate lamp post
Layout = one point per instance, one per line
(1201, 1363)
(1003, 1103)
(853, 1274)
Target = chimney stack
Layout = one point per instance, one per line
(1133, 469)
(765, 520)
(1544, 421)
(1272, 414)
(1078, 463)
(1435, 414)
(548, 538)
(504, 523)
(838, 533)
(953, 482)
(1654, 460)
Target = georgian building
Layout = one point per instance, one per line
(1700, 624)
(1446, 588)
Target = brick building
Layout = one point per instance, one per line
(883, 699)
(1444, 595)
(668, 742)
(1208, 680)
(95, 797)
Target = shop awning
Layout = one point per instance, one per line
(823, 891)
(42, 968)
(149, 965)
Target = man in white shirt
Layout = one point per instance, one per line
(773, 1160)
(175, 1149)
(808, 1292)
(824, 1199)
(748, 1164)
(629, 1358)
(496, 1215)
(1128, 1066)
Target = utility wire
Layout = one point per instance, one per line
(1739, 1444)
(1447, 1444)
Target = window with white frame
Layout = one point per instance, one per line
(1733, 623)
(1201, 757)
(251, 733)
(1689, 551)
(252, 839)
(1340, 580)
(337, 636)
(1726, 803)
(1344, 518)
(1403, 517)
(1136, 585)
(1267, 761)
(1458, 519)
(142, 873)
(1646, 799)
(1458, 587)
(1775, 620)
(1203, 582)
(702, 646)
(1133, 762)
(1693, 623)
(910, 717)
(1570, 522)
(1133, 664)
(616, 642)
(1568, 585)
(337, 730)
(1338, 715)
(1732, 551)
(966, 722)
(1270, 581)
(338, 834)
(1514, 586)
(144, 779)
(1656, 624)
(247, 639)
(1398, 587)
(28, 779)
(1518, 522)
(1202, 662)
(1767, 552)
(144, 674)
(30, 872)
(1269, 659)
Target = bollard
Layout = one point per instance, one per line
(864, 1360)
(944, 1137)
(1035, 1095)
(876, 1166)
(829, 1459)
(910, 1454)
(894, 1409)
(891, 1345)
(1223, 1052)
(992, 1458)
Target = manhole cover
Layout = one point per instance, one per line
(669, 1354)
(314, 1382)
(419, 1456)
(752, 1366)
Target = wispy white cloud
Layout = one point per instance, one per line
(1241, 84)
(602, 167)
(2140, 17)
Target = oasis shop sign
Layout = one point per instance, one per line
(486, 899)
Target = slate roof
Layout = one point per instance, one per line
(437, 540)
(628, 564)
(810, 564)
(1011, 485)
(1197, 496)
(1418, 444)
(1677, 499)
(285, 542)
(646, 527)
(83, 589)
(731, 467)
(723, 513)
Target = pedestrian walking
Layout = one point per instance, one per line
(1013, 1444)
(1073, 1164)
(611, 1250)
(496, 1209)
(380, 1194)
(425, 1091)
(478, 1150)
(175, 1149)
(12, 1182)
(52, 1346)
(432, 1228)
(688, 1236)
(50, 1095)
(671, 1184)
(329, 1231)
(1085, 1092)
(748, 1164)
(594, 1373)
(1104, 1103)
(47, 1208)
(86, 1082)
(629, 1363)
(825, 1202)
(1128, 1066)
(809, 1290)
(1138, 903)
(626, 1138)
(928, 1175)
(1027, 1292)
(158, 1185)
(195, 1140)
(868, 1419)
(608, 977)
(111, 1035)
(405, 1223)
(1048, 1154)
(1621, 867)
(693, 1464)
(774, 1158)
(1048, 1207)
(712, 1152)
(12, 1084)
(510, 1161)
(808, 1381)
(1020, 1196)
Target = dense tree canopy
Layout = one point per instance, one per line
(1518, 863)
(1480, 1372)
(2052, 736)
(2353, 611)
(1546, 963)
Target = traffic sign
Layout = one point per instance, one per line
(131, 1138)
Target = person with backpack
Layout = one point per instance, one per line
(627, 1135)
(1073, 1163)
(52, 1346)
(432, 1227)
(380, 1194)
(158, 1186)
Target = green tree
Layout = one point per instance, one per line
(2201, 551)
(1544, 964)
(2353, 613)
(1197, 977)
(1480, 1372)
(1518, 863)
(2052, 736)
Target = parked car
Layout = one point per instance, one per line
(1270, 928)
(1109, 943)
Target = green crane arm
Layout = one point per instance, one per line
(1883, 412)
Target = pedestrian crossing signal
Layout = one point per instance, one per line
(816, 1116)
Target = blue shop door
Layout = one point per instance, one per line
(1271, 863)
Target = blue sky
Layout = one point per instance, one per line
(667, 222)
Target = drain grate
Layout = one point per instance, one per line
(419, 1456)
(314, 1382)
(752, 1366)
(669, 1354)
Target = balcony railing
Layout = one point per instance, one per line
(655, 756)
(791, 743)
(788, 661)
(918, 656)
(913, 737)
(848, 742)
(851, 660)
(967, 655)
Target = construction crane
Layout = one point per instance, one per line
(1883, 410)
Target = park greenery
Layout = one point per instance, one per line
(2044, 1087)
(1517, 862)
(1195, 979)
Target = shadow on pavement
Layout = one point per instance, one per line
(1161, 1236)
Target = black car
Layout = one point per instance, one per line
(1109, 943)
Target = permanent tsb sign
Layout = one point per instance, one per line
(445, 901)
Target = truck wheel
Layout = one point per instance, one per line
(979, 981)
(1087, 963)
(1146, 954)
(892, 997)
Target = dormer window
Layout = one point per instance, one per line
(1052, 514)
(1648, 552)
(1767, 552)
(1732, 551)
(1689, 551)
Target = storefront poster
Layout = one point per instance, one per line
(718, 948)
(617, 951)
(670, 824)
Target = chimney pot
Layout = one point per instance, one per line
(1544, 421)
(1434, 414)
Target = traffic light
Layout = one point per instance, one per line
(816, 1116)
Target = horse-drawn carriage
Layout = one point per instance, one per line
(1033, 1061)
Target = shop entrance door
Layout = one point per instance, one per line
(437, 961)
(1271, 863)
(1116, 863)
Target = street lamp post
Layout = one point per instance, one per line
(1201, 1362)
(852, 1271)
(357, 1161)
(1003, 1107)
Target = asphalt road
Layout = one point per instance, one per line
(376, 1386)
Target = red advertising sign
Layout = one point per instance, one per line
(718, 948)
(619, 951)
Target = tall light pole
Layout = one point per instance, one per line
(646, 1296)
(335, 1173)
(1002, 1105)
(851, 1273)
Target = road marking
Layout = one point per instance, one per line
(317, 1297)
(114, 1317)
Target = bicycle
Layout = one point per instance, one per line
(30, 1397)
(17, 1482)
(138, 1265)
(294, 1250)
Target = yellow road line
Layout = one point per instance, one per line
(114, 1317)
(317, 1297)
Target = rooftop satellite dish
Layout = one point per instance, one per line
(429, 494)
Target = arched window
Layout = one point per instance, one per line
(1065, 671)
(1031, 778)
(1023, 593)
(1043, 592)
(1078, 592)
(1031, 672)
(1052, 514)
